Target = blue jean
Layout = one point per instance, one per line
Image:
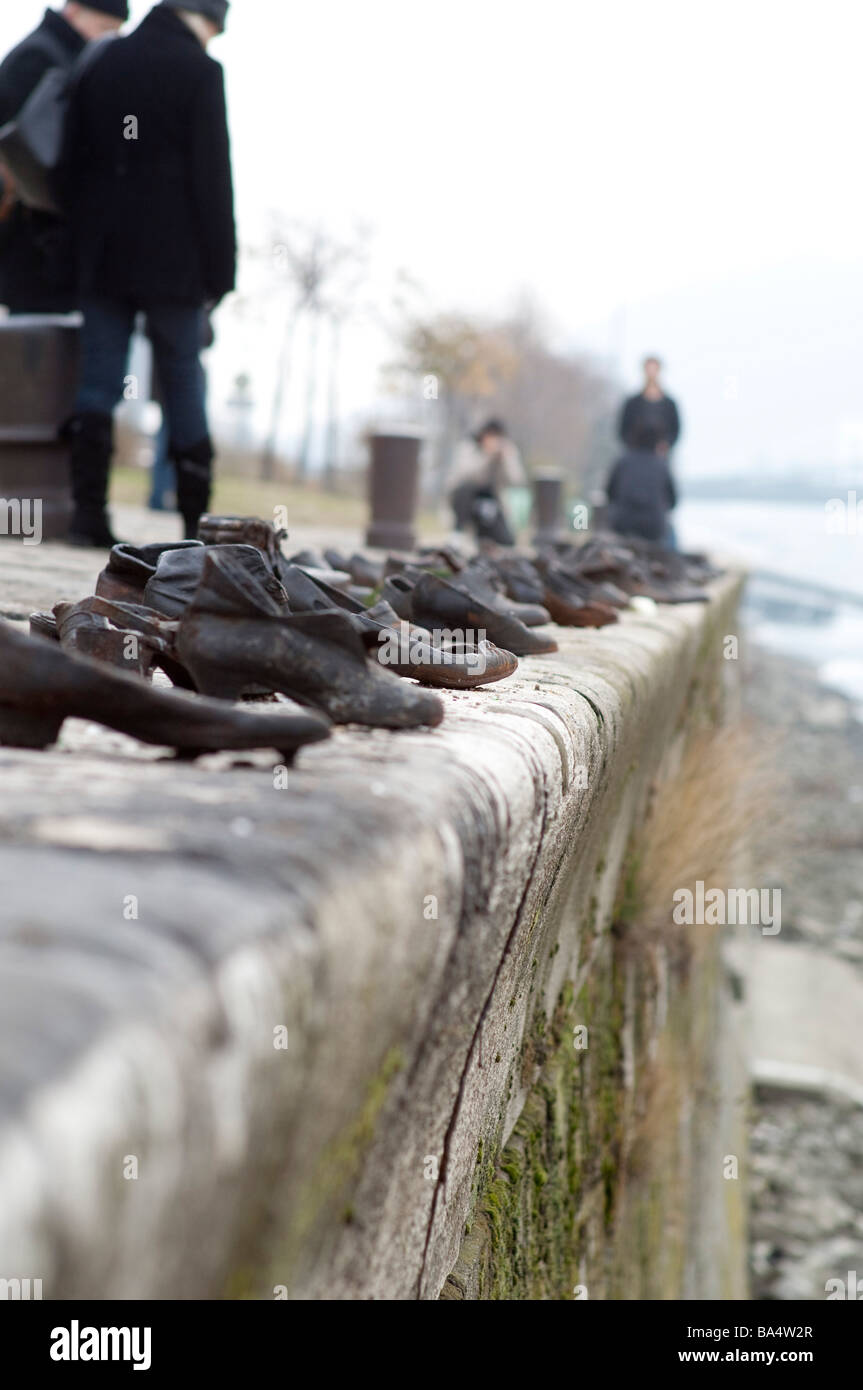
(163, 476)
(175, 332)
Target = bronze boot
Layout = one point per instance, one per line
(234, 635)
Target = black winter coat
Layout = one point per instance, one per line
(640, 494)
(639, 410)
(36, 267)
(146, 170)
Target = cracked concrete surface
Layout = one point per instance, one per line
(164, 922)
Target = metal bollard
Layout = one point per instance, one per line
(38, 380)
(394, 472)
(547, 504)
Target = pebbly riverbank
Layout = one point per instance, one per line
(806, 1146)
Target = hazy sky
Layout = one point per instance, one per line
(678, 176)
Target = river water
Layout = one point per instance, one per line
(792, 539)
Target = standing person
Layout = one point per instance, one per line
(640, 489)
(651, 405)
(163, 480)
(483, 467)
(36, 270)
(146, 180)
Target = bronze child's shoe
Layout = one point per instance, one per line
(432, 660)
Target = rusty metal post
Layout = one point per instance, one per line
(394, 474)
(38, 379)
(547, 505)
(598, 511)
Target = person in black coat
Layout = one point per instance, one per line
(640, 489)
(650, 406)
(146, 181)
(36, 271)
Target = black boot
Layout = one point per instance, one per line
(194, 467)
(90, 436)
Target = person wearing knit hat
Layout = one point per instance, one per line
(216, 11)
(145, 179)
(76, 14)
(35, 265)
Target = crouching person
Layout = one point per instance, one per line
(640, 489)
(146, 182)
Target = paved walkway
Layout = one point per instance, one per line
(804, 1012)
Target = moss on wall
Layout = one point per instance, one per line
(528, 1235)
(598, 1183)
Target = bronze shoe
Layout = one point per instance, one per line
(178, 574)
(444, 660)
(481, 582)
(437, 604)
(233, 635)
(571, 602)
(127, 636)
(129, 567)
(41, 685)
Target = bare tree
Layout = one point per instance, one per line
(324, 275)
(557, 403)
(553, 401)
(461, 363)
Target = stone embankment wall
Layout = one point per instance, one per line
(415, 1025)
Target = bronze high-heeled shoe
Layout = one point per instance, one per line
(125, 635)
(41, 685)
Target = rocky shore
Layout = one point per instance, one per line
(806, 1178)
